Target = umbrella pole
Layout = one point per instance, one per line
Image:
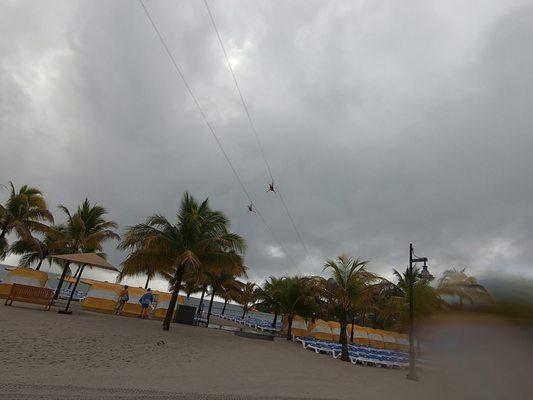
(61, 280)
(66, 310)
(75, 276)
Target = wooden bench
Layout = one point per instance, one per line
(30, 294)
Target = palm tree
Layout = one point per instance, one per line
(347, 285)
(85, 231)
(426, 300)
(34, 250)
(296, 296)
(378, 300)
(269, 297)
(150, 270)
(190, 283)
(455, 282)
(222, 277)
(195, 239)
(230, 293)
(24, 212)
(247, 297)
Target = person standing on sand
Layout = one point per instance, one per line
(122, 300)
(145, 300)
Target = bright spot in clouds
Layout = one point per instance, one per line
(274, 251)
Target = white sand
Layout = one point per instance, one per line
(91, 356)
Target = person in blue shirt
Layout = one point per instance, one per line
(145, 300)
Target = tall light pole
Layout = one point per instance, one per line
(423, 275)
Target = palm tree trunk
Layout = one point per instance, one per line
(210, 306)
(275, 320)
(147, 281)
(38, 267)
(353, 329)
(188, 295)
(173, 299)
(243, 312)
(224, 308)
(2, 235)
(289, 327)
(201, 305)
(61, 280)
(344, 339)
(4, 232)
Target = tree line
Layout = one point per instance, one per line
(196, 252)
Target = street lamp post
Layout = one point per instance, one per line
(424, 275)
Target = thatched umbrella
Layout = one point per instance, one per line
(84, 259)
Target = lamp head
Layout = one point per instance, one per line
(424, 274)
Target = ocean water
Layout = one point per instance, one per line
(231, 309)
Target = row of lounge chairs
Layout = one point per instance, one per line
(78, 294)
(252, 322)
(358, 354)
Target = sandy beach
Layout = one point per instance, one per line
(45, 355)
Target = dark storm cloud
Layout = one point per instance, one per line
(384, 123)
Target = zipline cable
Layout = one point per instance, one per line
(210, 127)
(252, 125)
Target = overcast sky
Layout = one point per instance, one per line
(384, 122)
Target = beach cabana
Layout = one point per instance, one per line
(389, 341)
(163, 300)
(22, 276)
(360, 335)
(349, 328)
(335, 330)
(102, 297)
(320, 330)
(402, 341)
(83, 259)
(375, 338)
(299, 326)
